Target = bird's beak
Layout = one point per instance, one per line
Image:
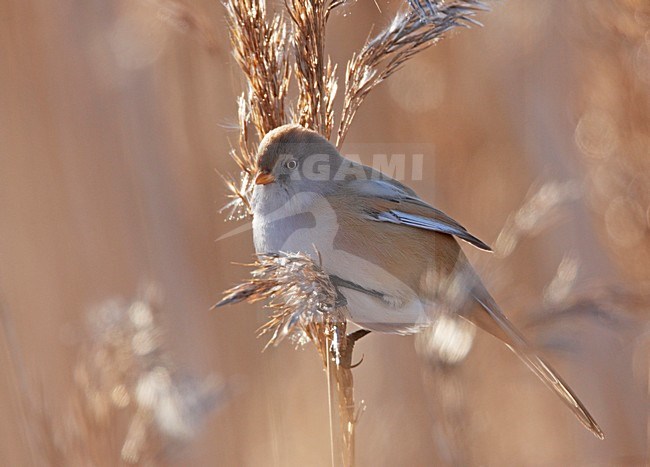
(264, 178)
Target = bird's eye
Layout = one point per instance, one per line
(291, 164)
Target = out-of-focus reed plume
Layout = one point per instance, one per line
(614, 307)
(443, 348)
(300, 294)
(129, 404)
(560, 287)
(541, 207)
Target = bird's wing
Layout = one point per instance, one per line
(390, 201)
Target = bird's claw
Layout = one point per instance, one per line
(346, 355)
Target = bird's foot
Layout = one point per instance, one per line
(351, 340)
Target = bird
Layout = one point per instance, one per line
(395, 260)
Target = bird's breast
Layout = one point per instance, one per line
(304, 223)
(290, 234)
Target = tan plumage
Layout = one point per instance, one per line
(391, 251)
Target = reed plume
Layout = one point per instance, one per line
(304, 308)
(261, 49)
(315, 74)
(129, 404)
(297, 290)
(413, 30)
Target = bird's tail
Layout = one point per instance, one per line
(494, 321)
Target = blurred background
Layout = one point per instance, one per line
(115, 118)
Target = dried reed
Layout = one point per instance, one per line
(129, 403)
(261, 49)
(304, 307)
(299, 293)
(410, 32)
(315, 74)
